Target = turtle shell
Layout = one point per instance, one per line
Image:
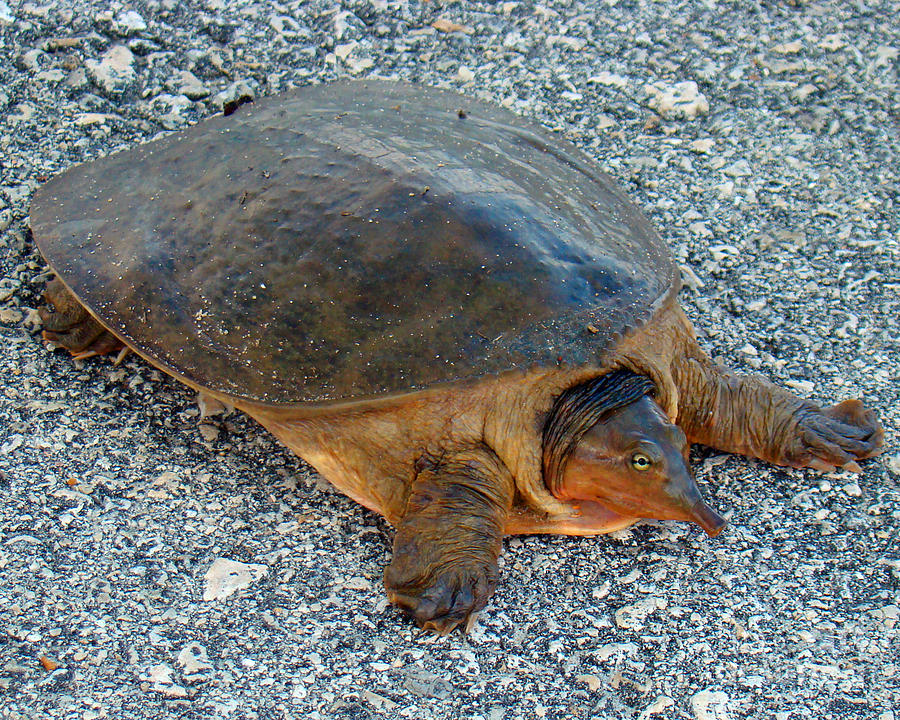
(354, 239)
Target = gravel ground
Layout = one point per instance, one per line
(774, 178)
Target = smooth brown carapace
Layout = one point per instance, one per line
(456, 317)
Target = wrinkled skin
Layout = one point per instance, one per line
(447, 545)
(751, 416)
(68, 324)
(632, 464)
(457, 471)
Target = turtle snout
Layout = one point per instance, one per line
(707, 518)
(687, 501)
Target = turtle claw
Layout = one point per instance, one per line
(450, 601)
(445, 626)
(123, 353)
(836, 437)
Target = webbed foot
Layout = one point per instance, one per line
(440, 599)
(834, 437)
(70, 326)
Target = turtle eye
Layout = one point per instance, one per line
(639, 461)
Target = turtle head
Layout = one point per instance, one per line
(609, 442)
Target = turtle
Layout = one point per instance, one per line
(453, 314)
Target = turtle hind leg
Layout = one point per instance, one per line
(69, 325)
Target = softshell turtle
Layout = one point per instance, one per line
(455, 316)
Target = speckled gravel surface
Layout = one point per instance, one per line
(774, 176)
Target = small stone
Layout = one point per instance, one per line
(193, 658)
(286, 26)
(170, 109)
(21, 112)
(6, 16)
(608, 78)
(567, 41)
(160, 679)
(682, 100)
(77, 79)
(515, 41)
(699, 229)
(832, 42)
(357, 583)
(802, 386)
(710, 705)
(343, 51)
(464, 74)
(113, 73)
(128, 23)
(358, 66)
(690, 278)
(208, 432)
(225, 577)
(790, 48)
(598, 593)
(616, 651)
(592, 681)
(236, 94)
(33, 60)
(739, 168)
(209, 406)
(83, 119)
(888, 615)
(704, 145)
(657, 706)
(379, 701)
(426, 684)
(884, 55)
(893, 464)
(287, 527)
(186, 83)
(14, 443)
(448, 26)
(803, 92)
(853, 489)
(631, 617)
(52, 76)
(725, 189)
(17, 194)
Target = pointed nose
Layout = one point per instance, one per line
(683, 490)
(707, 518)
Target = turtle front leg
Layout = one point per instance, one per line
(751, 416)
(444, 567)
